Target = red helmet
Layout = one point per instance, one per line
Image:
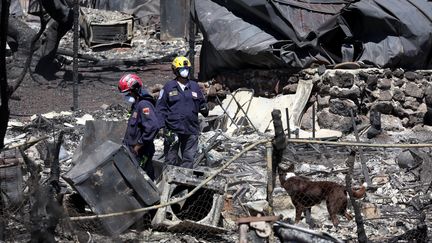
(128, 82)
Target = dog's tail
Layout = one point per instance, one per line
(359, 193)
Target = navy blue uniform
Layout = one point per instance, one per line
(178, 112)
(143, 125)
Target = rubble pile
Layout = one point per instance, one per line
(393, 204)
(144, 44)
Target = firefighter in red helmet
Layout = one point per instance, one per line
(143, 124)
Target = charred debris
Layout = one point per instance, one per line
(308, 89)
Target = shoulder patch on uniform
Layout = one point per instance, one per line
(135, 114)
(161, 92)
(194, 94)
(173, 93)
(146, 110)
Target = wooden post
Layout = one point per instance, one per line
(75, 55)
(288, 123)
(313, 120)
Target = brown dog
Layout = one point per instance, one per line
(305, 193)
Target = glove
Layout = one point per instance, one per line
(204, 109)
(136, 148)
(170, 136)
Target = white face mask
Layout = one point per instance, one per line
(129, 99)
(184, 73)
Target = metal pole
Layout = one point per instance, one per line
(75, 55)
(270, 182)
(313, 120)
(288, 123)
(191, 41)
(360, 149)
(269, 149)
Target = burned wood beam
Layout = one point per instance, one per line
(45, 210)
(70, 53)
(54, 162)
(4, 87)
(129, 62)
(279, 144)
(17, 82)
(362, 238)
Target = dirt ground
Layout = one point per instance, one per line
(93, 91)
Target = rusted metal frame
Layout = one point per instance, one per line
(360, 149)
(212, 143)
(251, 182)
(226, 112)
(245, 112)
(258, 219)
(251, 97)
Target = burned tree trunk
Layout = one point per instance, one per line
(4, 87)
(58, 26)
(46, 211)
(4, 93)
(279, 144)
(362, 238)
(20, 37)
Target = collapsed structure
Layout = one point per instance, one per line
(249, 36)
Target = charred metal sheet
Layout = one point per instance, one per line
(174, 19)
(110, 180)
(292, 233)
(106, 29)
(11, 178)
(202, 209)
(97, 132)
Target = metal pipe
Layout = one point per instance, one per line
(270, 186)
(288, 123)
(226, 112)
(245, 113)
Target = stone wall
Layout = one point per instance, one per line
(401, 99)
